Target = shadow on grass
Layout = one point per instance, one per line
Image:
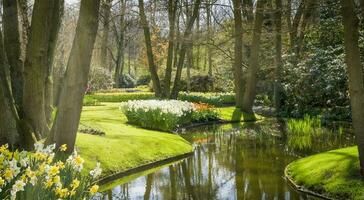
(239, 115)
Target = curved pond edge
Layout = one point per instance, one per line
(300, 188)
(121, 174)
(216, 122)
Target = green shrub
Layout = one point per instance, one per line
(216, 99)
(122, 96)
(143, 80)
(89, 101)
(204, 113)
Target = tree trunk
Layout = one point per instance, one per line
(106, 6)
(9, 133)
(150, 56)
(238, 52)
(184, 46)
(57, 14)
(362, 8)
(278, 56)
(121, 47)
(172, 11)
(69, 109)
(35, 68)
(209, 51)
(355, 73)
(12, 45)
(251, 81)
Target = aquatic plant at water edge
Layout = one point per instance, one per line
(216, 99)
(40, 175)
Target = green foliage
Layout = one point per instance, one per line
(88, 100)
(216, 99)
(121, 96)
(204, 113)
(143, 80)
(126, 81)
(99, 79)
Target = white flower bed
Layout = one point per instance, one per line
(175, 107)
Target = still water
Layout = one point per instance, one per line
(236, 161)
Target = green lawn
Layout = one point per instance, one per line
(124, 146)
(333, 173)
(235, 115)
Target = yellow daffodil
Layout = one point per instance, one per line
(75, 184)
(2, 182)
(48, 183)
(94, 189)
(54, 170)
(63, 147)
(8, 174)
(79, 161)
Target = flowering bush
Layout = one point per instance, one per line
(164, 115)
(204, 113)
(39, 175)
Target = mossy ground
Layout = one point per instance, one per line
(124, 146)
(333, 173)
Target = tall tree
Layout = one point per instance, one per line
(251, 78)
(35, 69)
(120, 61)
(355, 73)
(172, 15)
(69, 109)
(182, 53)
(278, 55)
(238, 52)
(13, 50)
(152, 67)
(209, 35)
(56, 20)
(106, 10)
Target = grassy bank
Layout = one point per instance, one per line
(124, 146)
(334, 173)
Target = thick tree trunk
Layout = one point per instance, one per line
(67, 119)
(251, 81)
(35, 69)
(172, 11)
(9, 133)
(355, 72)
(150, 56)
(238, 53)
(12, 44)
(278, 56)
(56, 20)
(121, 47)
(184, 46)
(106, 6)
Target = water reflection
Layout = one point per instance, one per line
(240, 161)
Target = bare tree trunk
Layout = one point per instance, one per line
(295, 25)
(209, 51)
(69, 109)
(150, 56)
(12, 45)
(9, 133)
(251, 81)
(172, 11)
(121, 46)
(184, 46)
(57, 14)
(238, 52)
(106, 6)
(35, 68)
(197, 57)
(278, 56)
(355, 73)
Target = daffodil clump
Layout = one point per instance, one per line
(39, 175)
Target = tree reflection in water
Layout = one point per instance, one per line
(239, 161)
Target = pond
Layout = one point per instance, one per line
(235, 161)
